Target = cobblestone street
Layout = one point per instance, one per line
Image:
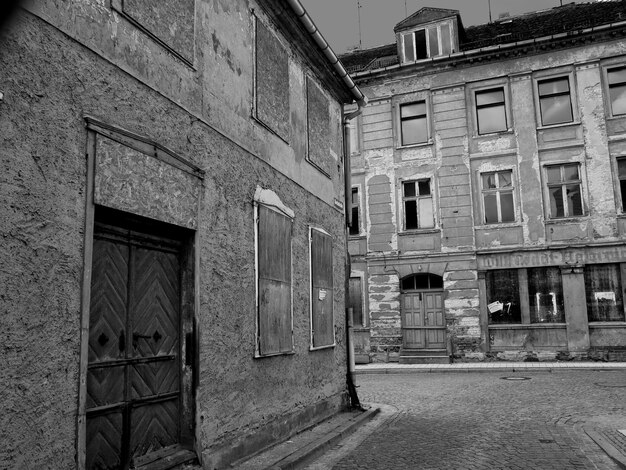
(481, 421)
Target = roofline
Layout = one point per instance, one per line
(495, 48)
(310, 27)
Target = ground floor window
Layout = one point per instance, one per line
(545, 295)
(503, 302)
(356, 302)
(603, 286)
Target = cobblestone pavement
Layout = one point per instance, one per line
(480, 421)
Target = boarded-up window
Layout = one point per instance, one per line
(322, 323)
(274, 278)
(272, 82)
(318, 119)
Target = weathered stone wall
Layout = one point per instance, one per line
(50, 82)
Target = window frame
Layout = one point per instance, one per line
(270, 201)
(438, 25)
(364, 314)
(607, 87)
(416, 198)
(562, 184)
(329, 291)
(413, 98)
(497, 191)
(478, 107)
(359, 212)
(569, 76)
(621, 190)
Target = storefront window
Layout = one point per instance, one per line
(603, 286)
(503, 296)
(545, 295)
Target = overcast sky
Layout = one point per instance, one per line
(338, 20)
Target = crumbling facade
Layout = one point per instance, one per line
(488, 193)
(172, 217)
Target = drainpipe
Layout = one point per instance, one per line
(361, 100)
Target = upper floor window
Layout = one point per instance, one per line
(564, 189)
(417, 200)
(617, 90)
(497, 190)
(621, 174)
(555, 102)
(354, 227)
(432, 41)
(413, 123)
(491, 111)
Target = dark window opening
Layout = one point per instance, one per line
(422, 281)
(418, 205)
(545, 295)
(617, 90)
(603, 288)
(354, 226)
(503, 303)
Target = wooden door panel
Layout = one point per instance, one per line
(414, 338)
(105, 386)
(107, 311)
(322, 317)
(154, 378)
(153, 427)
(156, 300)
(423, 320)
(104, 441)
(274, 317)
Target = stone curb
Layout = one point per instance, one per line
(607, 447)
(456, 368)
(318, 446)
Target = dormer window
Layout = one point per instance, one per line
(432, 41)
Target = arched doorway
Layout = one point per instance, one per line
(423, 319)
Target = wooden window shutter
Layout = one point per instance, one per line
(274, 264)
(322, 323)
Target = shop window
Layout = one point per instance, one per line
(491, 111)
(503, 302)
(603, 287)
(322, 322)
(545, 295)
(617, 90)
(433, 41)
(274, 232)
(422, 281)
(564, 189)
(355, 208)
(555, 103)
(497, 190)
(413, 123)
(355, 302)
(418, 204)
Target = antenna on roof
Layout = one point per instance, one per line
(406, 14)
(358, 9)
(489, 1)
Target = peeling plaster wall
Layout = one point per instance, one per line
(49, 82)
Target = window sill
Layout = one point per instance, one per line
(319, 348)
(259, 356)
(492, 134)
(420, 144)
(361, 329)
(422, 231)
(525, 326)
(607, 324)
(357, 237)
(577, 219)
(499, 225)
(555, 126)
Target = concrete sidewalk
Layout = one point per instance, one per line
(395, 368)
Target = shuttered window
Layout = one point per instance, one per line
(274, 231)
(322, 323)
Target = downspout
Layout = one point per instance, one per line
(361, 100)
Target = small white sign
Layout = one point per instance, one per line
(495, 306)
(605, 296)
(322, 294)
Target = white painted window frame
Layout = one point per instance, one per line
(331, 293)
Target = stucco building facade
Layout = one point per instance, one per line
(488, 188)
(173, 231)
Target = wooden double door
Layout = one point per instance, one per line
(138, 378)
(423, 320)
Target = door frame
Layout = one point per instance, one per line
(402, 321)
(190, 302)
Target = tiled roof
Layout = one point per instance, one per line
(557, 20)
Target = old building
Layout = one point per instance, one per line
(173, 231)
(488, 193)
